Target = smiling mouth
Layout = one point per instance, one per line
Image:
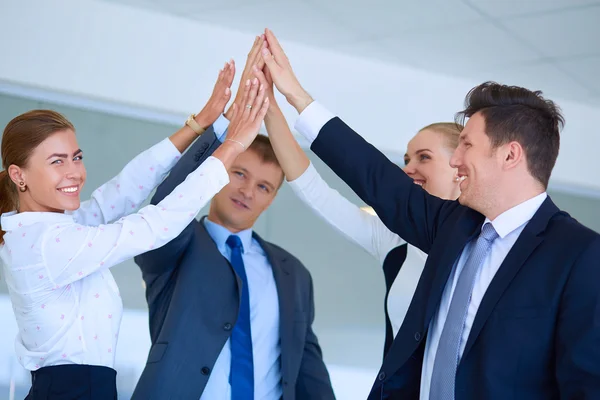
(419, 182)
(70, 190)
(239, 204)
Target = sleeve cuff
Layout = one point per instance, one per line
(312, 119)
(220, 127)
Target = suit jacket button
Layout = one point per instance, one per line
(227, 326)
(205, 370)
(417, 336)
(381, 376)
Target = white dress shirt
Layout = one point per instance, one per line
(508, 225)
(264, 322)
(367, 231)
(66, 303)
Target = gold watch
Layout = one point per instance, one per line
(191, 122)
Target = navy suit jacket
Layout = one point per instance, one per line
(193, 300)
(536, 335)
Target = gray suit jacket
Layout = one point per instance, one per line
(193, 299)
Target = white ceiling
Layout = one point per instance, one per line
(549, 45)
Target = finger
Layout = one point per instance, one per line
(263, 110)
(260, 60)
(255, 51)
(269, 61)
(253, 46)
(260, 97)
(260, 75)
(274, 46)
(245, 96)
(229, 74)
(251, 97)
(234, 112)
(226, 97)
(268, 76)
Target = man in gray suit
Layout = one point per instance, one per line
(230, 314)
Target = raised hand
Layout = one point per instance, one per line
(219, 97)
(254, 58)
(283, 76)
(247, 118)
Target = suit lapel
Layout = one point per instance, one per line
(466, 230)
(285, 292)
(431, 287)
(529, 239)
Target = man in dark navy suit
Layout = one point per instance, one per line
(508, 305)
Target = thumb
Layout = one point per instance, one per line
(270, 61)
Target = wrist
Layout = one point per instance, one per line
(202, 121)
(299, 100)
(227, 152)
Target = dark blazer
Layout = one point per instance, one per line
(536, 334)
(193, 299)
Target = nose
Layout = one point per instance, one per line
(246, 191)
(410, 168)
(455, 160)
(74, 174)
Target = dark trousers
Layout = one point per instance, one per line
(73, 382)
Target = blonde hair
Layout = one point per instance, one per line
(449, 130)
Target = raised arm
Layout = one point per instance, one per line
(73, 251)
(123, 194)
(359, 226)
(404, 208)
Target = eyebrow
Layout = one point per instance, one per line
(423, 150)
(64, 155)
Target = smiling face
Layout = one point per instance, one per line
(427, 162)
(479, 165)
(54, 175)
(253, 185)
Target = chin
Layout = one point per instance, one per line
(71, 206)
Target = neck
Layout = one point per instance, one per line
(214, 218)
(510, 199)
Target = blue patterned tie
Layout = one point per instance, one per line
(443, 377)
(241, 376)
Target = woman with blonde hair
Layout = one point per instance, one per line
(427, 162)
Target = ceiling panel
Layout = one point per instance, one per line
(508, 8)
(585, 69)
(459, 51)
(292, 21)
(378, 18)
(187, 7)
(548, 78)
(565, 34)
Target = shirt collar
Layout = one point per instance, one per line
(219, 235)
(11, 221)
(513, 218)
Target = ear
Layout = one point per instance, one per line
(512, 154)
(16, 174)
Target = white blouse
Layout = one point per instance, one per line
(367, 231)
(66, 303)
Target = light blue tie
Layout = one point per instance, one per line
(241, 374)
(443, 377)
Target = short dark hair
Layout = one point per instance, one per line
(513, 113)
(263, 148)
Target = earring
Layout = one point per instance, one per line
(22, 187)
(457, 179)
